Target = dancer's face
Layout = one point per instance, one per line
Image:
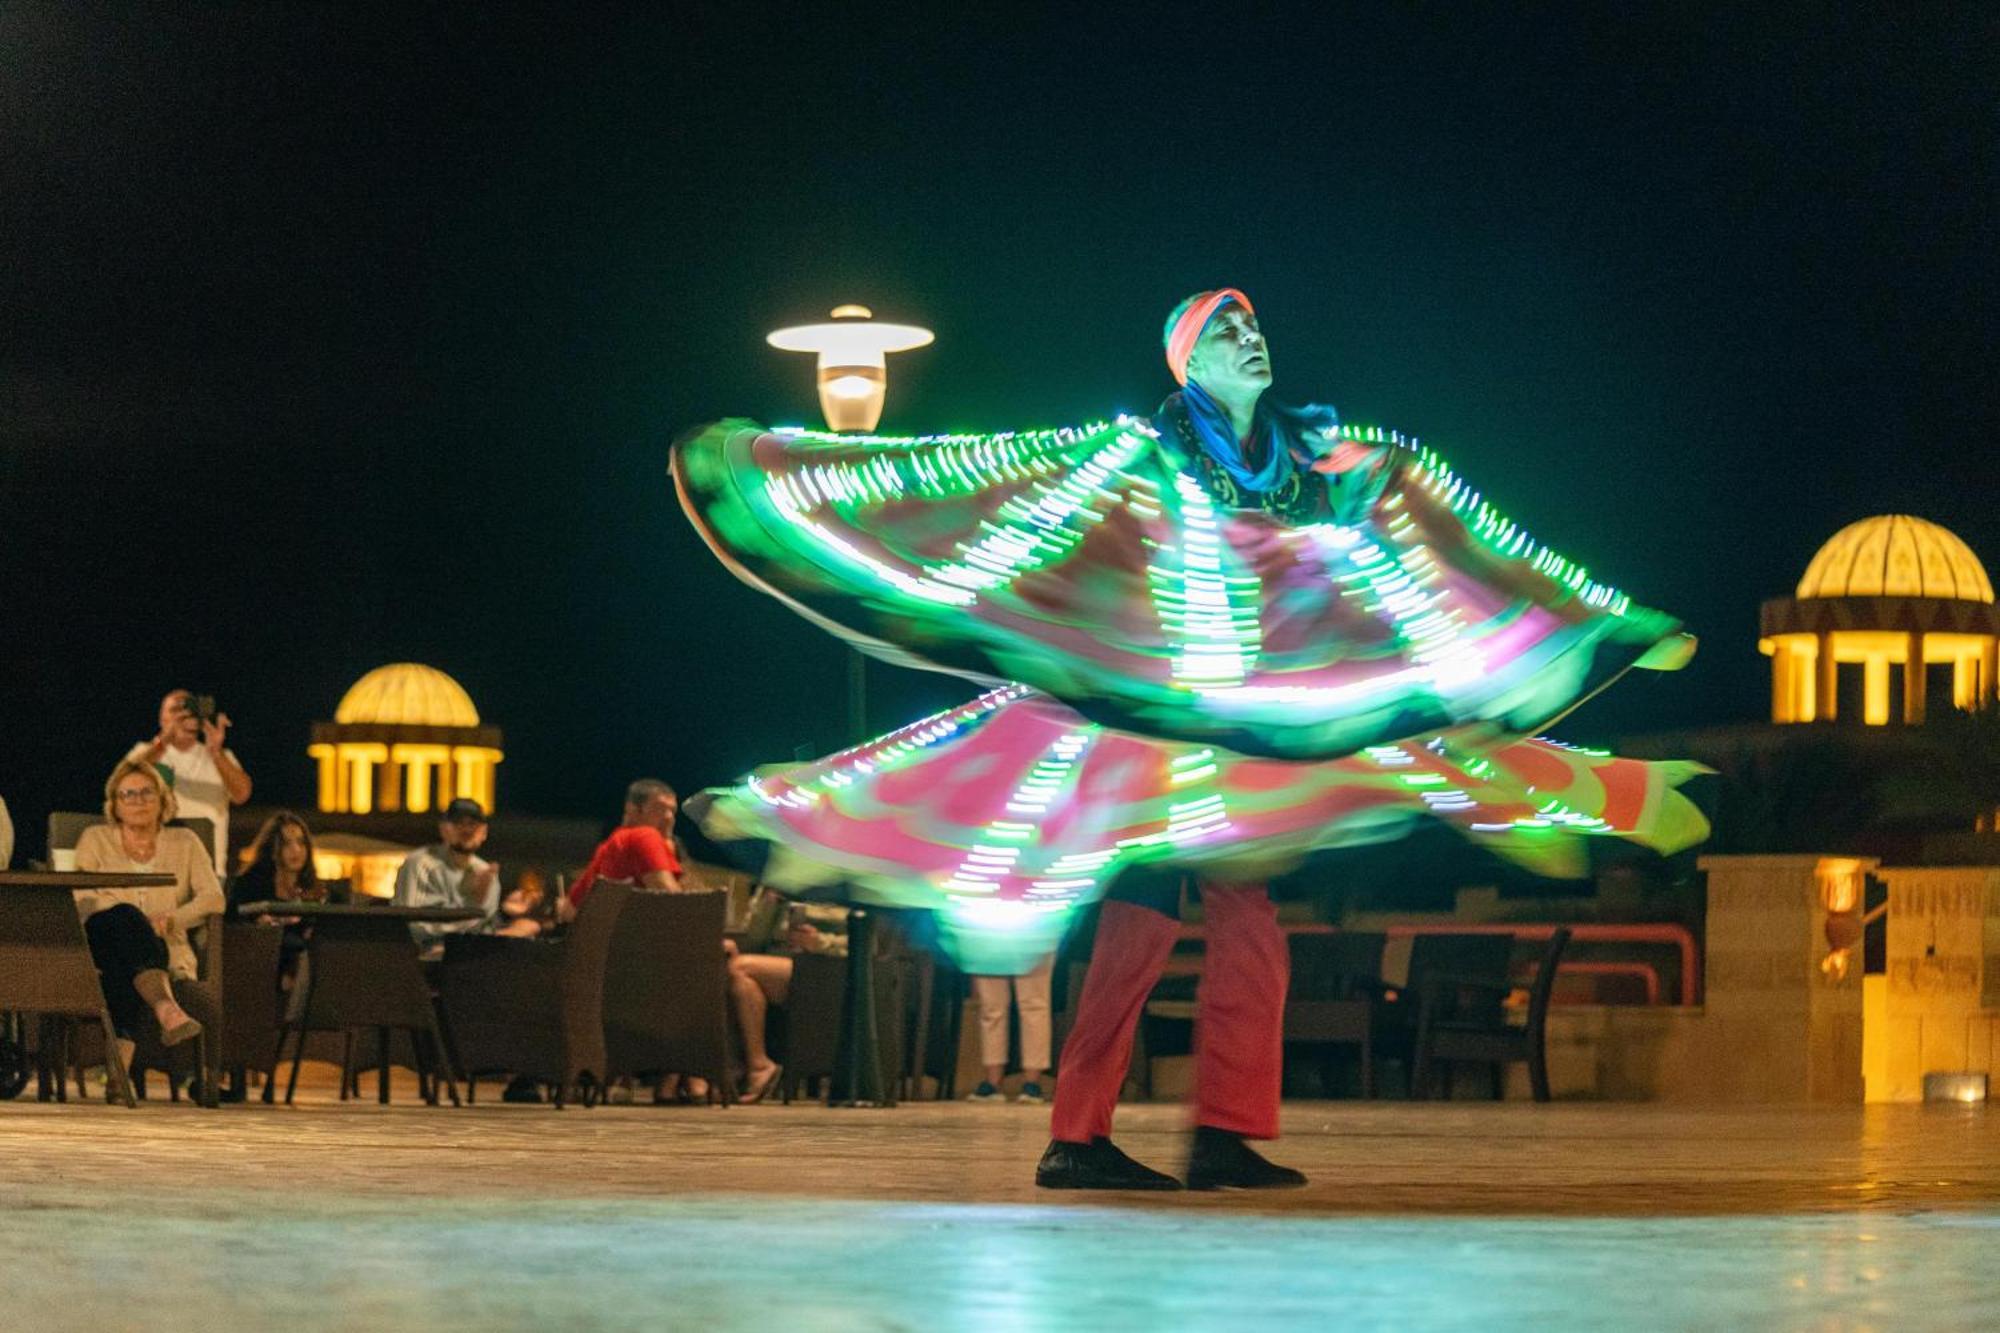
(1230, 359)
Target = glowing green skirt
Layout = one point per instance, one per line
(1179, 683)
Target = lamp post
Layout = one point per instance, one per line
(853, 367)
(853, 380)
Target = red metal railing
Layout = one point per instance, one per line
(1635, 932)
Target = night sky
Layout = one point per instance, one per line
(331, 336)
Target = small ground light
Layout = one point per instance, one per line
(853, 374)
(1965, 1088)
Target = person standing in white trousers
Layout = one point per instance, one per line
(1031, 996)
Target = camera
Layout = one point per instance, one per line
(200, 706)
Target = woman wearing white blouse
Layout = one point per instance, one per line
(139, 936)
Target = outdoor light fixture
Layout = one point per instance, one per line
(1967, 1088)
(853, 373)
(1841, 882)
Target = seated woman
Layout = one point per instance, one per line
(758, 980)
(280, 870)
(139, 937)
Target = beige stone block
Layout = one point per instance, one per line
(1630, 1053)
(1572, 1072)
(1905, 1062)
(1834, 1055)
(1173, 1077)
(1746, 1057)
(1732, 971)
(1979, 1043)
(1943, 1046)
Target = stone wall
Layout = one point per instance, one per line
(1942, 1004)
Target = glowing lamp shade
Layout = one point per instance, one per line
(853, 361)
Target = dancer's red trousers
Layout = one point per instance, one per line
(1239, 1037)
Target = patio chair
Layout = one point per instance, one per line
(1332, 999)
(1480, 957)
(235, 996)
(534, 1008)
(812, 1021)
(937, 1026)
(1462, 1020)
(66, 829)
(666, 990)
(50, 974)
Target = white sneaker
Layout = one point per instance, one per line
(1031, 1095)
(985, 1092)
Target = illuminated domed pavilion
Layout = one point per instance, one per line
(406, 737)
(1882, 594)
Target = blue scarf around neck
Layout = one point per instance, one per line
(1284, 431)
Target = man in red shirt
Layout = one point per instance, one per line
(640, 850)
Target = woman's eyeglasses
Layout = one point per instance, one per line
(134, 795)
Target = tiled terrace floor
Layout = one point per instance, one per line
(1462, 1215)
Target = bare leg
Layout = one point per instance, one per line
(756, 982)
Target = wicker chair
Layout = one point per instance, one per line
(66, 829)
(666, 990)
(534, 1007)
(812, 1017)
(235, 997)
(50, 974)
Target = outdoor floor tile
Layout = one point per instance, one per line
(925, 1216)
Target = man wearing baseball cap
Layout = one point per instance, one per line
(451, 873)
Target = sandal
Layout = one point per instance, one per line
(754, 1092)
(185, 1030)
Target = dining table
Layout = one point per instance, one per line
(45, 962)
(365, 970)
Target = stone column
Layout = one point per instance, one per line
(1778, 1024)
(1875, 690)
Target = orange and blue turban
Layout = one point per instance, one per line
(1190, 317)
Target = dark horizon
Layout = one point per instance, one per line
(339, 338)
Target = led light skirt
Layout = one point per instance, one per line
(1008, 813)
(1090, 563)
(1174, 681)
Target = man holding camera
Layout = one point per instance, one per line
(205, 776)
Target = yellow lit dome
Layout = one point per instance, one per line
(411, 694)
(1895, 555)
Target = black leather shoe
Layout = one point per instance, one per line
(1223, 1161)
(1097, 1165)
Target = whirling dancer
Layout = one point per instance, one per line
(1221, 641)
